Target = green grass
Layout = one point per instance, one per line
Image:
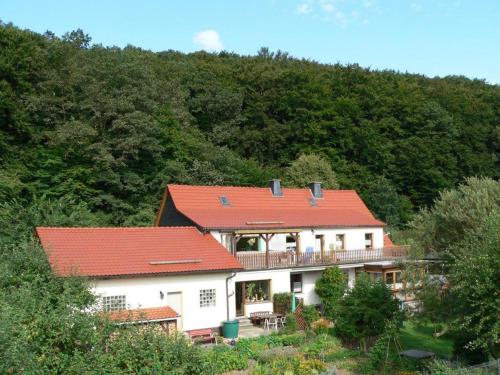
(414, 336)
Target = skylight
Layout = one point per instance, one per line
(224, 200)
(312, 202)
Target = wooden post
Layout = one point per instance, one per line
(296, 237)
(236, 238)
(267, 237)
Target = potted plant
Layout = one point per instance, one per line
(250, 291)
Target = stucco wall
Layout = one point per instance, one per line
(145, 292)
(308, 283)
(354, 238)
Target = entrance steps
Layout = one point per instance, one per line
(244, 321)
(247, 329)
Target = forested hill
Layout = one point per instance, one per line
(111, 126)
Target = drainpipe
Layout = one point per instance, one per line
(227, 293)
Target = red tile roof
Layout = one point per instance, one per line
(100, 252)
(387, 241)
(154, 314)
(258, 208)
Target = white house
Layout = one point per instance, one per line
(219, 252)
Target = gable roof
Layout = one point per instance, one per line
(104, 252)
(387, 241)
(257, 208)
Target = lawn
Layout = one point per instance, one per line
(415, 336)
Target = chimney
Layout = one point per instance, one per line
(316, 189)
(275, 186)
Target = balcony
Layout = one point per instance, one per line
(254, 260)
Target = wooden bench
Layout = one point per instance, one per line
(206, 335)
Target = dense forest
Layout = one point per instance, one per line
(111, 126)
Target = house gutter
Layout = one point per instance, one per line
(227, 293)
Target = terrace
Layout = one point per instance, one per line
(257, 260)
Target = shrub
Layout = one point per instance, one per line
(363, 311)
(321, 326)
(320, 346)
(296, 365)
(270, 354)
(282, 303)
(295, 339)
(224, 358)
(251, 348)
(330, 287)
(291, 324)
(310, 315)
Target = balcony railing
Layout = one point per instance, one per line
(286, 259)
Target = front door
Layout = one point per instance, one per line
(320, 243)
(174, 300)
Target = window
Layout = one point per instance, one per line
(398, 277)
(296, 282)
(393, 277)
(227, 241)
(291, 245)
(258, 290)
(369, 240)
(224, 201)
(248, 244)
(339, 241)
(114, 303)
(207, 297)
(320, 242)
(375, 276)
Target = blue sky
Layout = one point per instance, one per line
(431, 37)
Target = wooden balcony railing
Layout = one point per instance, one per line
(280, 259)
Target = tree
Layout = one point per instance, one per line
(474, 279)
(362, 313)
(455, 214)
(462, 228)
(330, 287)
(382, 198)
(309, 168)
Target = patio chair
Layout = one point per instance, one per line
(271, 323)
(282, 321)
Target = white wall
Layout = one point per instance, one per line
(308, 284)
(354, 238)
(280, 282)
(144, 292)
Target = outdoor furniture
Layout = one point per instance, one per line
(206, 335)
(257, 316)
(271, 322)
(282, 321)
(417, 354)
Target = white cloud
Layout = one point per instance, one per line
(340, 17)
(208, 40)
(416, 7)
(327, 6)
(305, 7)
(367, 3)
